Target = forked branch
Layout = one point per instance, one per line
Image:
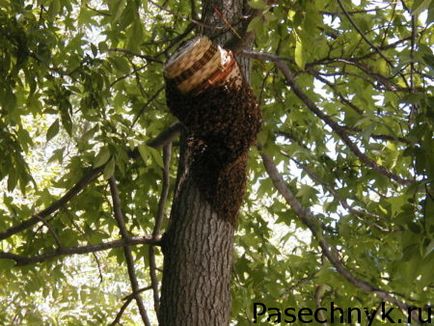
(338, 129)
(308, 219)
(119, 216)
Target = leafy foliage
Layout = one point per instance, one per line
(81, 89)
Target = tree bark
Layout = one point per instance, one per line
(198, 243)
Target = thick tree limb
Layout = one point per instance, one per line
(308, 219)
(338, 129)
(71, 193)
(119, 216)
(167, 151)
(26, 260)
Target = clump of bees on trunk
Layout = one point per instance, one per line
(219, 110)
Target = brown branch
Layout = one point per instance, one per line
(355, 108)
(308, 219)
(338, 129)
(65, 251)
(135, 70)
(353, 23)
(145, 106)
(125, 305)
(333, 87)
(373, 46)
(139, 55)
(178, 38)
(119, 216)
(329, 60)
(100, 12)
(51, 230)
(167, 152)
(358, 213)
(56, 205)
(166, 136)
(383, 80)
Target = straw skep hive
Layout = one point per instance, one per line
(222, 117)
(200, 64)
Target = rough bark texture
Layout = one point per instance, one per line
(198, 244)
(197, 264)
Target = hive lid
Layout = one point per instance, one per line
(186, 56)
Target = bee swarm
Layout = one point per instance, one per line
(222, 124)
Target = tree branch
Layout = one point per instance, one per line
(71, 193)
(338, 129)
(308, 219)
(166, 136)
(153, 97)
(167, 151)
(353, 23)
(358, 213)
(25, 260)
(139, 55)
(117, 210)
(128, 300)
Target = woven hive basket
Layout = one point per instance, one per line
(200, 64)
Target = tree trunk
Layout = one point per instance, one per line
(198, 243)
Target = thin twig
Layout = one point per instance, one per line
(125, 305)
(338, 129)
(95, 256)
(119, 216)
(135, 54)
(121, 311)
(145, 106)
(137, 69)
(356, 27)
(51, 230)
(358, 213)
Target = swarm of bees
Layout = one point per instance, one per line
(222, 122)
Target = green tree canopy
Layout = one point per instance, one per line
(340, 202)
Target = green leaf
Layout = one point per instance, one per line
(143, 150)
(54, 8)
(135, 37)
(307, 193)
(258, 4)
(156, 155)
(429, 249)
(255, 25)
(419, 6)
(6, 264)
(430, 17)
(109, 169)
(298, 54)
(102, 157)
(53, 130)
(117, 6)
(121, 64)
